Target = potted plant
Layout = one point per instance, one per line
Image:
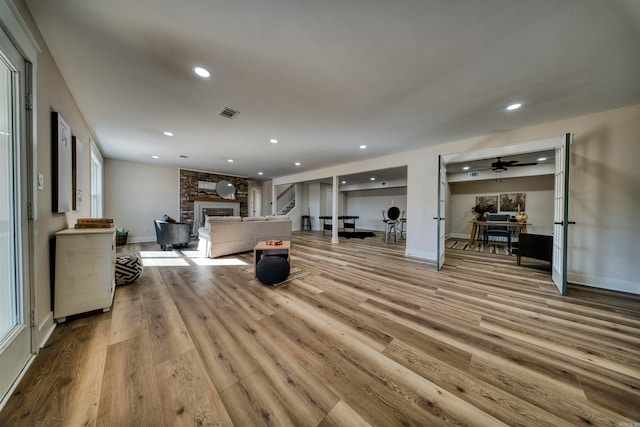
(479, 211)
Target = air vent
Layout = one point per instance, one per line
(229, 113)
(474, 174)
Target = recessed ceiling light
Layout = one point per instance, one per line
(202, 72)
(362, 147)
(514, 106)
(297, 163)
(273, 141)
(466, 168)
(155, 157)
(373, 179)
(260, 173)
(343, 182)
(230, 160)
(542, 159)
(168, 133)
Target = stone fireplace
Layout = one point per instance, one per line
(190, 193)
(202, 208)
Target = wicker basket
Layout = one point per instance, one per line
(121, 237)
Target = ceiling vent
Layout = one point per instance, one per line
(474, 174)
(229, 113)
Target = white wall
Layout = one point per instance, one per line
(51, 94)
(604, 191)
(369, 204)
(138, 193)
(538, 198)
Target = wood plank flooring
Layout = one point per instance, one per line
(369, 337)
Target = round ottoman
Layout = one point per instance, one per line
(128, 268)
(272, 269)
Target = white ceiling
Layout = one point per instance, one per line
(324, 77)
(485, 164)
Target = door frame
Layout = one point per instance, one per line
(14, 25)
(554, 143)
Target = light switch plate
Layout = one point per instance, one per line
(40, 181)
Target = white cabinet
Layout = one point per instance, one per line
(84, 271)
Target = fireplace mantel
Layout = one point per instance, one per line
(214, 199)
(198, 205)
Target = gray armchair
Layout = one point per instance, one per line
(177, 234)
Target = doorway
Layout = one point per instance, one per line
(561, 146)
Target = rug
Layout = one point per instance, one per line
(356, 234)
(463, 245)
(294, 273)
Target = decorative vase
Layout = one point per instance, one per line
(522, 217)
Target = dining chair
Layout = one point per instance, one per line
(391, 220)
(498, 231)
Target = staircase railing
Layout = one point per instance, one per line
(286, 200)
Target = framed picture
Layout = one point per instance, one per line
(487, 203)
(76, 173)
(61, 164)
(512, 202)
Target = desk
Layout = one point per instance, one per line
(513, 225)
(263, 249)
(348, 221)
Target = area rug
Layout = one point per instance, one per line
(294, 273)
(356, 234)
(463, 245)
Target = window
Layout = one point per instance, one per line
(96, 182)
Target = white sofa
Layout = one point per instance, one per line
(225, 235)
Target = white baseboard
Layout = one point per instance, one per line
(458, 236)
(143, 239)
(431, 256)
(45, 329)
(604, 283)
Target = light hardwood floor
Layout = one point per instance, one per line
(370, 337)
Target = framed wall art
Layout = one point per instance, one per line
(512, 202)
(487, 203)
(62, 188)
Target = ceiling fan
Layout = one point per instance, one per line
(501, 166)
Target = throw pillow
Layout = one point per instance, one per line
(167, 218)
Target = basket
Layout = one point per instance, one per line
(121, 237)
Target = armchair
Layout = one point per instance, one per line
(169, 232)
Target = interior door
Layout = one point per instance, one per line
(561, 216)
(257, 201)
(442, 203)
(15, 300)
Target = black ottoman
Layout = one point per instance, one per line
(272, 269)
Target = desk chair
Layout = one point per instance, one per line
(392, 222)
(500, 231)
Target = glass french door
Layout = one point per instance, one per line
(561, 216)
(15, 302)
(442, 203)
